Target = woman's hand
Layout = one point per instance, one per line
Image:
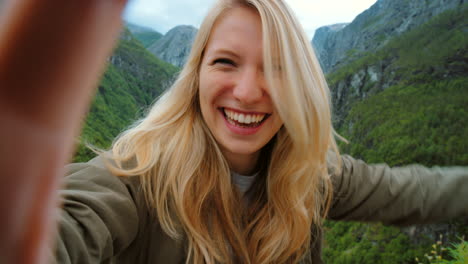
(52, 53)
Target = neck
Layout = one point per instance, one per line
(244, 164)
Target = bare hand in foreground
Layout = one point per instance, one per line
(52, 53)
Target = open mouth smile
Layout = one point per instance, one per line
(244, 120)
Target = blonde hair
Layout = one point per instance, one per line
(186, 179)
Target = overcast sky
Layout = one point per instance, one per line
(162, 15)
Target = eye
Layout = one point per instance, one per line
(224, 61)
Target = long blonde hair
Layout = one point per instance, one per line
(186, 179)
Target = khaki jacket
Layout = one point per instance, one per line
(104, 218)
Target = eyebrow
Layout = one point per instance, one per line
(225, 52)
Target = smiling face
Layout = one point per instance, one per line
(234, 98)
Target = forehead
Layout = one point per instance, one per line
(239, 29)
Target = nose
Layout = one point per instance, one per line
(250, 87)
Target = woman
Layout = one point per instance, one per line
(251, 100)
(226, 106)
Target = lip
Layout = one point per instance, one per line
(245, 131)
(244, 112)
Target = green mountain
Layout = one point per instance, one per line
(403, 103)
(406, 103)
(145, 35)
(337, 45)
(148, 38)
(174, 47)
(133, 79)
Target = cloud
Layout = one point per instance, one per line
(162, 15)
(316, 13)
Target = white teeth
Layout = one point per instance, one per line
(243, 118)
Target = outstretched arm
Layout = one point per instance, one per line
(401, 195)
(52, 53)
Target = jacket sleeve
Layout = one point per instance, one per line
(401, 195)
(98, 217)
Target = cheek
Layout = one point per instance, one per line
(204, 103)
(277, 123)
(205, 86)
(214, 88)
(203, 89)
(207, 99)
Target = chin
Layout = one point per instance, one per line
(244, 148)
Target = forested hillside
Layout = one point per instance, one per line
(132, 81)
(415, 103)
(404, 103)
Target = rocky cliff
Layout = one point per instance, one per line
(322, 42)
(373, 28)
(174, 47)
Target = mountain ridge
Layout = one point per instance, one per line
(374, 27)
(145, 35)
(174, 47)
